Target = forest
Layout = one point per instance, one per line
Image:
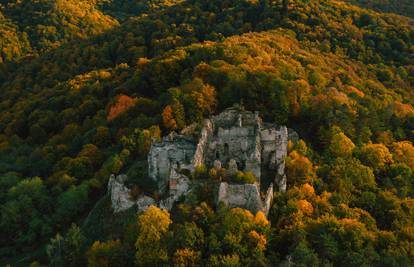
(402, 7)
(85, 86)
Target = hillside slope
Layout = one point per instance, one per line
(341, 76)
(402, 7)
(51, 23)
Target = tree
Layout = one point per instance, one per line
(376, 156)
(404, 153)
(123, 103)
(168, 118)
(299, 169)
(243, 234)
(72, 202)
(173, 115)
(285, 7)
(74, 246)
(188, 235)
(343, 240)
(302, 255)
(23, 217)
(348, 176)
(244, 177)
(224, 261)
(37, 133)
(199, 99)
(102, 136)
(151, 242)
(106, 254)
(257, 241)
(186, 258)
(341, 145)
(92, 153)
(139, 142)
(54, 250)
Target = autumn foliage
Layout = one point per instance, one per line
(122, 103)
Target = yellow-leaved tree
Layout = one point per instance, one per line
(299, 169)
(404, 153)
(340, 146)
(376, 156)
(151, 246)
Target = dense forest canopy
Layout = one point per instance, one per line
(86, 86)
(402, 7)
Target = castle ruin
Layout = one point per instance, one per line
(235, 140)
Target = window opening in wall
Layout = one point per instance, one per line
(226, 149)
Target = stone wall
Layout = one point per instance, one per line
(203, 143)
(245, 196)
(274, 152)
(119, 193)
(120, 196)
(173, 150)
(268, 200)
(281, 154)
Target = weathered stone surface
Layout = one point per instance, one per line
(119, 193)
(282, 183)
(173, 150)
(293, 135)
(217, 164)
(246, 196)
(179, 184)
(232, 168)
(144, 202)
(203, 143)
(120, 197)
(268, 200)
(235, 136)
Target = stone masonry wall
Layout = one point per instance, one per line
(203, 143)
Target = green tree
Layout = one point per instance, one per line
(302, 255)
(24, 215)
(188, 235)
(350, 176)
(72, 202)
(106, 254)
(74, 247)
